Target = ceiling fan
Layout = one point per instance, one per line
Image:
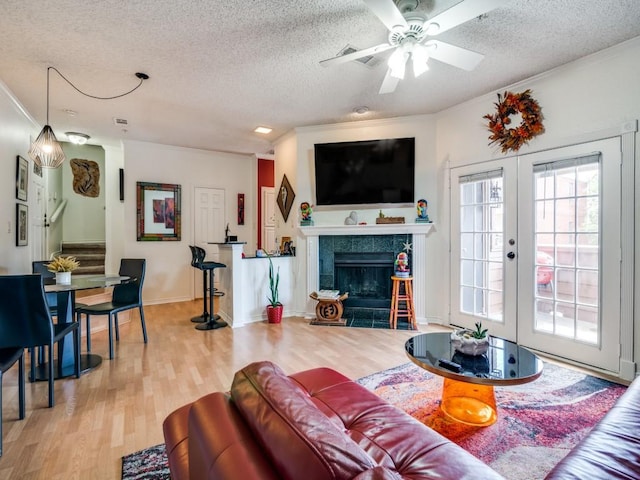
(409, 35)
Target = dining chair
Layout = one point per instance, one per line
(126, 296)
(8, 357)
(25, 322)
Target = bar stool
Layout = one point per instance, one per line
(406, 296)
(208, 320)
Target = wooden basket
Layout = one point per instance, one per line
(383, 220)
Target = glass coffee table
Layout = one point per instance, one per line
(467, 393)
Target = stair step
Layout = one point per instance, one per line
(89, 270)
(68, 248)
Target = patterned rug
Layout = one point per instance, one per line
(538, 423)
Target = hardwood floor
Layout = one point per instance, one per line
(119, 407)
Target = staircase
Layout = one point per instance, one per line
(90, 255)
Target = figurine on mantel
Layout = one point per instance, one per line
(352, 219)
(422, 212)
(305, 214)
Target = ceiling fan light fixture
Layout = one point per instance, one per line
(420, 59)
(397, 62)
(77, 138)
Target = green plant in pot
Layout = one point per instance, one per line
(471, 342)
(274, 309)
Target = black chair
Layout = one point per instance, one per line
(8, 357)
(126, 296)
(25, 322)
(209, 320)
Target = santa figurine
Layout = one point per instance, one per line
(401, 265)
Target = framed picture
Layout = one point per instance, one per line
(158, 207)
(37, 169)
(22, 178)
(241, 209)
(22, 224)
(285, 197)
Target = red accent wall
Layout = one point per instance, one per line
(266, 178)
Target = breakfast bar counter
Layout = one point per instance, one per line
(245, 283)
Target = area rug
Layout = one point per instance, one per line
(538, 423)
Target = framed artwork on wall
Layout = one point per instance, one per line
(241, 209)
(285, 197)
(22, 224)
(158, 211)
(22, 178)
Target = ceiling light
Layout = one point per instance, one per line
(77, 138)
(397, 61)
(361, 110)
(419, 57)
(46, 150)
(263, 130)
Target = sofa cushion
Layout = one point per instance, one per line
(299, 439)
(386, 433)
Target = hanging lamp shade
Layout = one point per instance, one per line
(46, 150)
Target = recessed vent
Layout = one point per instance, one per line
(368, 61)
(120, 121)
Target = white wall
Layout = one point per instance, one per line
(169, 272)
(16, 130)
(84, 217)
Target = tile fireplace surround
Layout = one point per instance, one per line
(418, 232)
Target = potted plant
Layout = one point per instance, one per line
(62, 267)
(471, 342)
(274, 309)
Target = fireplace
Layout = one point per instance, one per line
(366, 276)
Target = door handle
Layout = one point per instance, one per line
(511, 255)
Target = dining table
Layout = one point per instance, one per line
(66, 299)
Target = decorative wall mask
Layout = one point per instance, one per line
(86, 177)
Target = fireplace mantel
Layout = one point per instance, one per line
(375, 229)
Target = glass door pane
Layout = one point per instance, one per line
(567, 243)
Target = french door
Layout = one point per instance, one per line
(535, 251)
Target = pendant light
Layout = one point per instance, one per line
(46, 150)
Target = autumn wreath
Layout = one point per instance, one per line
(511, 104)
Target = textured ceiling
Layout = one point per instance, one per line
(219, 69)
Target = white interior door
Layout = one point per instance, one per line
(209, 225)
(37, 231)
(483, 237)
(569, 217)
(268, 218)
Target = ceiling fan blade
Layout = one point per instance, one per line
(389, 83)
(456, 56)
(383, 47)
(463, 12)
(387, 12)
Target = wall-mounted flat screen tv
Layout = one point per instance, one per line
(365, 172)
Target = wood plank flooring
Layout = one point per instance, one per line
(119, 407)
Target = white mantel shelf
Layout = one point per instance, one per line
(375, 229)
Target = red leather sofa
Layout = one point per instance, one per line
(318, 424)
(312, 425)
